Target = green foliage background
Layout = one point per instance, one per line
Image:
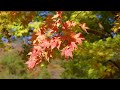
(97, 60)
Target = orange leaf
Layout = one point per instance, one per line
(84, 28)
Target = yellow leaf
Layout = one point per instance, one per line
(42, 65)
(90, 71)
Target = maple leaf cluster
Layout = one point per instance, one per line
(53, 34)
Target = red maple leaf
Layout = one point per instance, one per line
(67, 52)
(78, 38)
(31, 64)
(73, 46)
(45, 44)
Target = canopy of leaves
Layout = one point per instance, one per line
(96, 60)
(15, 22)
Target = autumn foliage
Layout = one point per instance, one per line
(54, 34)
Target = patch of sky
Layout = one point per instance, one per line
(5, 40)
(43, 13)
(99, 16)
(113, 34)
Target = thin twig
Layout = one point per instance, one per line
(78, 14)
